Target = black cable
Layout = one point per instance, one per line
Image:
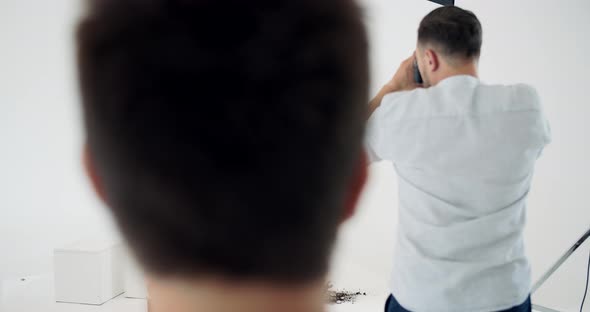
(587, 279)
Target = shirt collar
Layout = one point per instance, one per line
(459, 78)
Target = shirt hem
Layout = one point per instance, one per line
(521, 300)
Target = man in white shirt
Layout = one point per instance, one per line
(465, 154)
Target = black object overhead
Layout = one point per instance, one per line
(444, 2)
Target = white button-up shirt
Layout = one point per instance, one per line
(465, 155)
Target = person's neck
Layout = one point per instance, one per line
(216, 295)
(467, 69)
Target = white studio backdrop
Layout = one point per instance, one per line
(45, 200)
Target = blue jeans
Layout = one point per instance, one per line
(393, 306)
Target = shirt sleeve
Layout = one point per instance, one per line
(546, 133)
(548, 136)
(371, 146)
(378, 140)
(546, 127)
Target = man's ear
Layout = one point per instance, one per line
(357, 185)
(92, 174)
(432, 60)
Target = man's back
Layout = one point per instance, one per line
(465, 155)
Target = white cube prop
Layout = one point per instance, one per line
(135, 286)
(89, 272)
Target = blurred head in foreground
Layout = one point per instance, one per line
(225, 136)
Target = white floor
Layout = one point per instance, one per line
(35, 294)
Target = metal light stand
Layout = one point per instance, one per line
(554, 268)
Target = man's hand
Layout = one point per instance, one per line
(403, 80)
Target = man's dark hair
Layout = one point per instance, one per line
(225, 132)
(457, 32)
